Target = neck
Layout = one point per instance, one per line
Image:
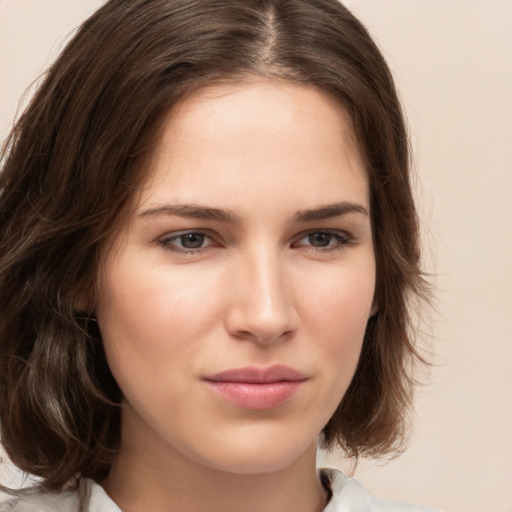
(149, 481)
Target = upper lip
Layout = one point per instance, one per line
(255, 375)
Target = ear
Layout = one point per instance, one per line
(84, 303)
(374, 310)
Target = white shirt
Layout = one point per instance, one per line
(348, 495)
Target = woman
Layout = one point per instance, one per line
(208, 247)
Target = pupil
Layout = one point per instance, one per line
(192, 240)
(320, 239)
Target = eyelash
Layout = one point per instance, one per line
(167, 244)
(342, 240)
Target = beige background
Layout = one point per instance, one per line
(453, 63)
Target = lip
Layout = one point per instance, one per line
(257, 388)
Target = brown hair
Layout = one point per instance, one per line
(76, 156)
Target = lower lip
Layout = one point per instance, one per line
(257, 396)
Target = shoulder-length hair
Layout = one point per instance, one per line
(78, 153)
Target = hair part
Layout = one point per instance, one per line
(79, 153)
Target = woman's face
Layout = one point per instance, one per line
(235, 299)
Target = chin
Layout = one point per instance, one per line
(257, 455)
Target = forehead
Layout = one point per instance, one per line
(257, 137)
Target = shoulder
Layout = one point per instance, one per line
(348, 495)
(65, 501)
(90, 497)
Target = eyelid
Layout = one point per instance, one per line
(343, 237)
(166, 240)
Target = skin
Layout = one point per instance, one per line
(275, 278)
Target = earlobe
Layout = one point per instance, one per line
(374, 310)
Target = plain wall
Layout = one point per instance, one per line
(453, 63)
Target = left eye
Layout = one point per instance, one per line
(187, 241)
(323, 239)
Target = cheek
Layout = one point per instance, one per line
(152, 320)
(336, 313)
(338, 303)
(156, 303)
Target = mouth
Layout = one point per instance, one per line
(257, 388)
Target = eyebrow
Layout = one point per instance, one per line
(193, 211)
(209, 213)
(330, 211)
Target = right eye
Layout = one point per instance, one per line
(186, 242)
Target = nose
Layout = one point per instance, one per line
(261, 307)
